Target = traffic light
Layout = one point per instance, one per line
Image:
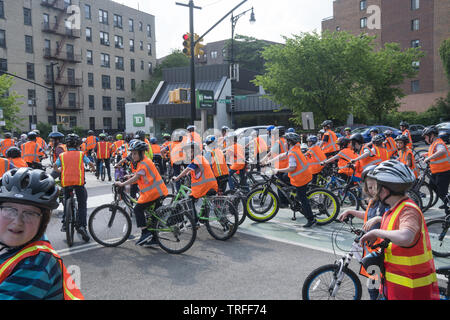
(187, 44)
(198, 51)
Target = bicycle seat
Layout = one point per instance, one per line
(445, 270)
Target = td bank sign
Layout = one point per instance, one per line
(138, 120)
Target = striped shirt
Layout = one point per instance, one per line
(35, 277)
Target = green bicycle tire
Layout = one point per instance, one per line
(260, 215)
(328, 200)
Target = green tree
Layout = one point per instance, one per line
(444, 52)
(317, 73)
(10, 104)
(145, 90)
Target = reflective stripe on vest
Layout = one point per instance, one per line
(330, 145)
(442, 163)
(33, 249)
(90, 142)
(304, 167)
(26, 152)
(72, 168)
(156, 183)
(202, 180)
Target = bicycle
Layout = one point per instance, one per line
(70, 214)
(425, 190)
(217, 213)
(102, 169)
(444, 292)
(171, 224)
(437, 230)
(262, 203)
(337, 280)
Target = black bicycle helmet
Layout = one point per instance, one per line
(343, 142)
(404, 124)
(374, 130)
(430, 130)
(357, 137)
(393, 175)
(327, 123)
(13, 152)
(29, 186)
(73, 140)
(292, 137)
(402, 137)
(90, 133)
(56, 135)
(32, 135)
(138, 145)
(8, 135)
(378, 139)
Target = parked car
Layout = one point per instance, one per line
(365, 132)
(416, 132)
(444, 131)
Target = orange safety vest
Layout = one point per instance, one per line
(4, 166)
(283, 148)
(83, 148)
(18, 162)
(301, 175)
(5, 145)
(167, 152)
(90, 142)
(259, 145)
(345, 156)
(103, 150)
(403, 157)
(372, 159)
(238, 157)
(331, 144)
(441, 164)
(206, 181)
(391, 146)
(409, 272)
(218, 163)
(71, 291)
(156, 149)
(314, 156)
(62, 146)
(30, 152)
(408, 134)
(176, 153)
(116, 145)
(382, 153)
(151, 185)
(72, 168)
(41, 142)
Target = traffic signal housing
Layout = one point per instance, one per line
(198, 48)
(187, 44)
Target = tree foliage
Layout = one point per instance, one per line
(10, 104)
(444, 51)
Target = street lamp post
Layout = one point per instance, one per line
(234, 20)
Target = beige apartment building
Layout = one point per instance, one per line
(103, 51)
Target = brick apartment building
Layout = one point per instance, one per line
(99, 64)
(412, 23)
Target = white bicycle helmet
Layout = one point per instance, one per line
(393, 175)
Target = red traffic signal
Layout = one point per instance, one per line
(186, 36)
(187, 44)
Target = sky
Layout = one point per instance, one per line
(274, 19)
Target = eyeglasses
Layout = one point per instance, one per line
(12, 213)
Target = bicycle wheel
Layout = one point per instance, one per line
(109, 225)
(238, 203)
(439, 237)
(102, 171)
(426, 195)
(223, 219)
(69, 218)
(347, 199)
(261, 205)
(324, 205)
(414, 195)
(419, 160)
(174, 231)
(321, 283)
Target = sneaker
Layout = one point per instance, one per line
(310, 223)
(150, 243)
(145, 236)
(84, 234)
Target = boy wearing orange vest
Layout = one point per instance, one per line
(344, 156)
(378, 149)
(315, 156)
(151, 187)
(14, 156)
(329, 139)
(30, 268)
(215, 157)
(103, 151)
(72, 177)
(299, 175)
(6, 143)
(405, 154)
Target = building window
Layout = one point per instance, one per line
(415, 43)
(89, 34)
(72, 121)
(91, 102)
(87, 12)
(27, 16)
(415, 86)
(2, 39)
(120, 104)
(416, 65)
(91, 123)
(118, 42)
(102, 16)
(104, 58)
(3, 65)
(30, 71)
(29, 44)
(106, 82)
(149, 49)
(120, 83)
(117, 21)
(363, 5)
(104, 38)
(131, 45)
(415, 4)
(89, 57)
(2, 10)
(132, 65)
(415, 25)
(142, 64)
(213, 54)
(71, 76)
(149, 31)
(150, 67)
(31, 98)
(133, 84)
(106, 102)
(107, 123)
(363, 23)
(130, 25)
(72, 99)
(141, 45)
(119, 63)
(90, 79)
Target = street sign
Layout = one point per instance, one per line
(139, 120)
(308, 121)
(205, 99)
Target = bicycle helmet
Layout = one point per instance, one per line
(153, 140)
(367, 170)
(378, 139)
(357, 137)
(290, 130)
(388, 132)
(166, 136)
(90, 133)
(292, 137)
(191, 128)
(140, 134)
(119, 136)
(13, 152)
(430, 130)
(32, 135)
(404, 124)
(8, 135)
(374, 130)
(29, 186)
(138, 145)
(312, 139)
(327, 123)
(72, 140)
(402, 137)
(210, 139)
(56, 135)
(393, 175)
(270, 128)
(343, 142)
(348, 129)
